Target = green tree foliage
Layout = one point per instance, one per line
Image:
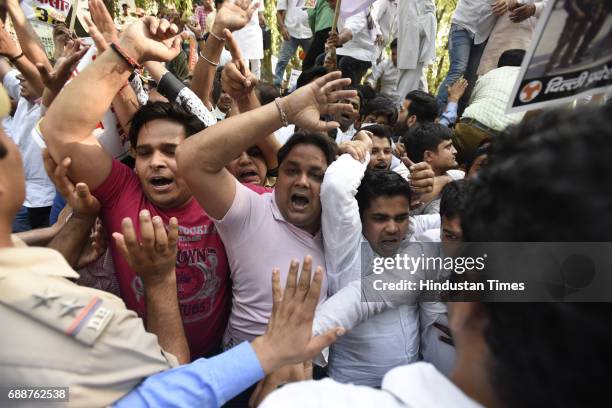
(437, 71)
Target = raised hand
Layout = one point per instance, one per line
(151, 39)
(64, 66)
(8, 47)
(78, 197)
(233, 15)
(305, 106)
(421, 176)
(236, 78)
(457, 89)
(102, 19)
(359, 147)
(153, 258)
(288, 338)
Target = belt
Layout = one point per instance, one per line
(477, 124)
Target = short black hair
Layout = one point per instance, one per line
(377, 183)
(548, 180)
(453, 198)
(484, 147)
(310, 75)
(425, 137)
(381, 105)
(379, 131)
(366, 93)
(163, 110)
(324, 143)
(511, 58)
(393, 43)
(423, 105)
(266, 93)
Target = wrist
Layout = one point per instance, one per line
(217, 31)
(267, 356)
(453, 99)
(83, 217)
(131, 48)
(158, 282)
(284, 104)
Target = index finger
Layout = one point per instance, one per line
(407, 162)
(232, 45)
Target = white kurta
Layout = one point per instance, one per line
(250, 38)
(416, 33)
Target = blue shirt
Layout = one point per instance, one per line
(203, 383)
(449, 116)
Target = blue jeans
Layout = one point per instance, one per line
(287, 51)
(464, 61)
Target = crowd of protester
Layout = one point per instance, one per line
(219, 253)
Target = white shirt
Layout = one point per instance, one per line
(476, 17)
(347, 136)
(296, 19)
(361, 46)
(283, 134)
(250, 37)
(40, 190)
(416, 385)
(490, 98)
(389, 76)
(387, 340)
(386, 17)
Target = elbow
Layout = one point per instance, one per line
(192, 161)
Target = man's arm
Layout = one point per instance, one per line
(12, 50)
(288, 340)
(68, 124)
(340, 220)
(231, 17)
(233, 79)
(281, 11)
(28, 39)
(202, 158)
(85, 208)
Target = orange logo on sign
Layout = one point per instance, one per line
(530, 91)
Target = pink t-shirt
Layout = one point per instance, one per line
(258, 239)
(202, 273)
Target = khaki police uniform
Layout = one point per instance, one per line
(58, 334)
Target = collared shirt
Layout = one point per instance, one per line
(389, 339)
(296, 19)
(347, 136)
(60, 334)
(320, 17)
(389, 76)
(476, 17)
(490, 98)
(258, 238)
(361, 46)
(416, 385)
(203, 383)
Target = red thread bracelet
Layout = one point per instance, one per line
(129, 60)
